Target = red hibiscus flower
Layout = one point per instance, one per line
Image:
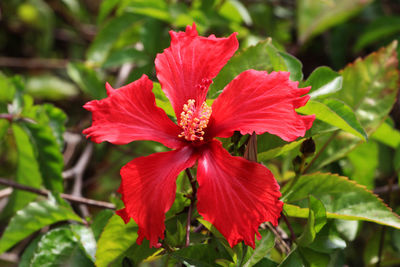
(234, 194)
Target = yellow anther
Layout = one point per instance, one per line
(194, 120)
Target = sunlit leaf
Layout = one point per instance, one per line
(32, 218)
(156, 9)
(100, 221)
(342, 198)
(369, 89)
(386, 134)
(55, 248)
(85, 237)
(370, 86)
(323, 81)
(335, 113)
(116, 238)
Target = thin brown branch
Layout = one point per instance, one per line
(292, 234)
(386, 189)
(282, 246)
(79, 170)
(320, 151)
(71, 198)
(5, 192)
(33, 63)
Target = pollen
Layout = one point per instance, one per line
(194, 120)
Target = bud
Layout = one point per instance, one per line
(308, 147)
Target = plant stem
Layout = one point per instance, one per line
(192, 202)
(292, 234)
(320, 151)
(71, 198)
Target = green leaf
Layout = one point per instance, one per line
(137, 253)
(105, 9)
(335, 113)
(370, 86)
(29, 251)
(342, 198)
(262, 249)
(157, 9)
(201, 255)
(50, 87)
(235, 11)
(18, 101)
(7, 89)
(162, 101)
(116, 238)
(369, 89)
(387, 134)
(277, 151)
(293, 259)
(217, 235)
(49, 156)
(323, 81)
(56, 119)
(294, 66)
(396, 160)
(315, 17)
(107, 36)
(316, 220)
(4, 126)
(127, 55)
(54, 248)
(328, 240)
(347, 229)
(86, 240)
(263, 56)
(364, 161)
(28, 172)
(32, 218)
(379, 29)
(100, 221)
(314, 258)
(87, 79)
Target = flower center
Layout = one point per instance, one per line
(194, 120)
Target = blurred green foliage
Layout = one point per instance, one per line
(55, 55)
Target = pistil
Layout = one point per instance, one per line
(194, 120)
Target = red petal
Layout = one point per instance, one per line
(130, 113)
(236, 195)
(148, 190)
(260, 102)
(186, 68)
(109, 89)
